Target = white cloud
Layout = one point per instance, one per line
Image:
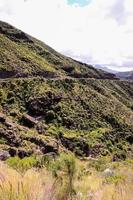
(100, 32)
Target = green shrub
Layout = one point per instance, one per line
(22, 164)
(115, 179)
(99, 164)
(50, 116)
(119, 155)
(64, 169)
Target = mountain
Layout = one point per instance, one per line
(125, 75)
(25, 56)
(128, 75)
(51, 103)
(105, 69)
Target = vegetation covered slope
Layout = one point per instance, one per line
(76, 108)
(22, 55)
(87, 116)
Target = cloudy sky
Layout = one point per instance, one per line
(94, 31)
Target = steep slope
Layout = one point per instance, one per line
(87, 116)
(125, 75)
(22, 55)
(52, 103)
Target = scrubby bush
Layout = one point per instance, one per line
(99, 164)
(24, 164)
(64, 170)
(50, 116)
(115, 179)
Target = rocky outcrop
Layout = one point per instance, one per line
(45, 146)
(15, 140)
(4, 155)
(76, 145)
(2, 118)
(39, 106)
(9, 131)
(29, 121)
(11, 135)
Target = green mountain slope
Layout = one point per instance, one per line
(22, 55)
(49, 103)
(87, 116)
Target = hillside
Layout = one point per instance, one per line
(51, 103)
(24, 56)
(85, 116)
(125, 75)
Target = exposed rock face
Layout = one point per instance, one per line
(41, 128)
(46, 147)
(2, 118)
(11, 132)
(29, 121)
(40, 105)
(77, 145)
(11, 135)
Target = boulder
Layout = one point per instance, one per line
(39, 106)
(29, 121)
(24, 153)
(108, 172)
(9, 124)
(4, 155)
(50, 155)
(12, 151)
(41, 128)
(2, 118)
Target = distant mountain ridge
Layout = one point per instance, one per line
(125, 75)
(105, 68)
(24, 56)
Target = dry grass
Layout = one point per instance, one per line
(41, 185)
(97, 186)
(33, 185)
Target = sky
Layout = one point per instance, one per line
(79, 2)
(93, 31)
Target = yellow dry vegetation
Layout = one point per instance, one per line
(89, 184)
